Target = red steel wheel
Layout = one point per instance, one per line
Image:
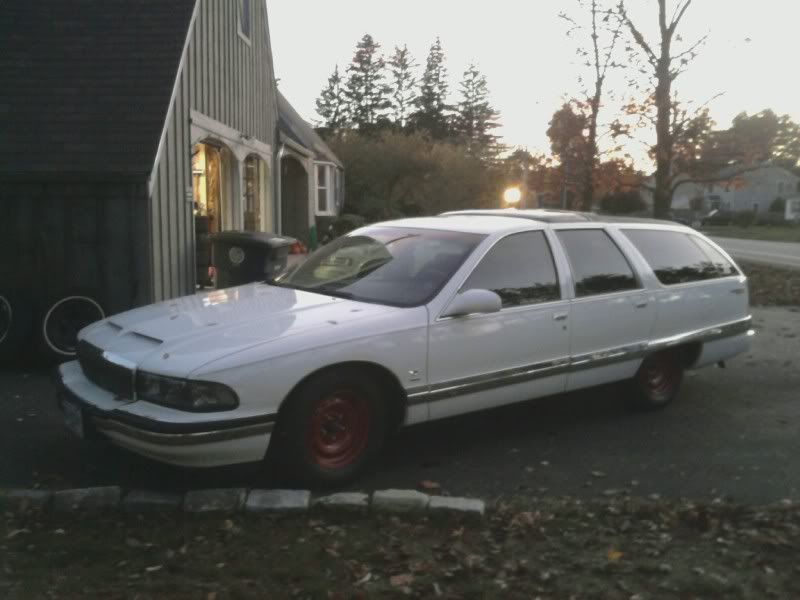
(658, 380)
(331, 427)
(338, 431)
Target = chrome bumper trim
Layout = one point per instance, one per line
(180, 439)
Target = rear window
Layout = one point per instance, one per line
(598, 266)
(679, 257)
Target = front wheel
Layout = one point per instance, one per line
(331, 428)
(657, 381)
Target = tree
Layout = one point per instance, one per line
(622, 202)
(475, 118)
(567, 133)
(332, 103)
(431, 114)
(402, 65)
(664, 66)
(604, 29)
(366, 90)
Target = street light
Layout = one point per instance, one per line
(512, 196)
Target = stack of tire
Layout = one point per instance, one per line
(45, 330)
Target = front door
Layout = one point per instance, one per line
(479, 361)
(611, 316)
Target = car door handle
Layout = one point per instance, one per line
(560, 317)
(641, 304)
(737, 291)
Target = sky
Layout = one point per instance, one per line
(521, 46)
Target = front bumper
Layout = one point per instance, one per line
(185, 443)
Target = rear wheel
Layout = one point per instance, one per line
(331, 428)
(657, 382)
(63, 318)
(16, 324)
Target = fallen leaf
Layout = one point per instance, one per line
(598, 474)
(427, 484)
(364, 579)
(154, 568)
(401, 580)
(614, 555)
(17, 532)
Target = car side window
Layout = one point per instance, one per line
(520, 269)
(677, 257)
(598, 265)
(723, 266)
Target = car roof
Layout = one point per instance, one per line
(543, 215)
(466, 223)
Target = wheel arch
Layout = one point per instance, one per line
(388, 381)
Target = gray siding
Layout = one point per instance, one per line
(229, 80)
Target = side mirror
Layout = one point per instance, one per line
(473, 302)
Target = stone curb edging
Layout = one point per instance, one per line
(231, 500)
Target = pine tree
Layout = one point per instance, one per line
(431, 103)
(475, 118)
(366, 90)
(401, 65)
(332, 103)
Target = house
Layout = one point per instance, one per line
(131, 129)
(753, 190)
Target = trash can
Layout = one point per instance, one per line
(241, 257)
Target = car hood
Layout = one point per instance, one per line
(178, 336)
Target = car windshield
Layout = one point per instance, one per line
(386, 265)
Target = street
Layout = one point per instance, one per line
(732, 432)
(779, 254)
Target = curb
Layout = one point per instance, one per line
(234, 500)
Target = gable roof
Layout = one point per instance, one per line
(87, 84)
(294, 127)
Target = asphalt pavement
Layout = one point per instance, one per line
(778, 254)
(732, 432)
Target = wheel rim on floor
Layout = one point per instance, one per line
(339, 429)
(65, 318)
(659, 376)
(6, 318)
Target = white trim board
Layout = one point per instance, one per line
(203, 126)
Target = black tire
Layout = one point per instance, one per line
(331, 428)
(657, 381)
(61, 319)
(16, 324)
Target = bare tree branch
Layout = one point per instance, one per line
(716, 178)
(674, 24)
(637, 36)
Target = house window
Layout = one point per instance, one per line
(325, 189)
(244, 20)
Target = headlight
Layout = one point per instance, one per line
(195, 396)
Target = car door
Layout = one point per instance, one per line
(483, 360)
(611, 314)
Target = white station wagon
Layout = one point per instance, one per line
(405, 322)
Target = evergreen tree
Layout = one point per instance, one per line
(401, 65)
(431, 113)
(366, 91)
(332, 103)
(475, 118)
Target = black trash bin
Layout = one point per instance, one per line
(241, 257)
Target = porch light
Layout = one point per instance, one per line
(512, 196)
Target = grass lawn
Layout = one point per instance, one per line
(615, 547)
(770, 233)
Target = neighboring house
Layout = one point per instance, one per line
(130, 129)
(307, 164)
(752, 190)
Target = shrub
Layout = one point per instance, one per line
(622, 203)
(744, 218)
(778, 205)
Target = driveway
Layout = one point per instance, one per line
(732, 432)
(779, 254)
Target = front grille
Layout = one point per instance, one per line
(107, 375)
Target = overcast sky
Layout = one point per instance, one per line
(751, 54)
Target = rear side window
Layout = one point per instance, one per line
(678, 257)
(519, 269)
(723, 266)
(598, 265)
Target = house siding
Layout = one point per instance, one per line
(224, 78)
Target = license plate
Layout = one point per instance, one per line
(73, 418)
